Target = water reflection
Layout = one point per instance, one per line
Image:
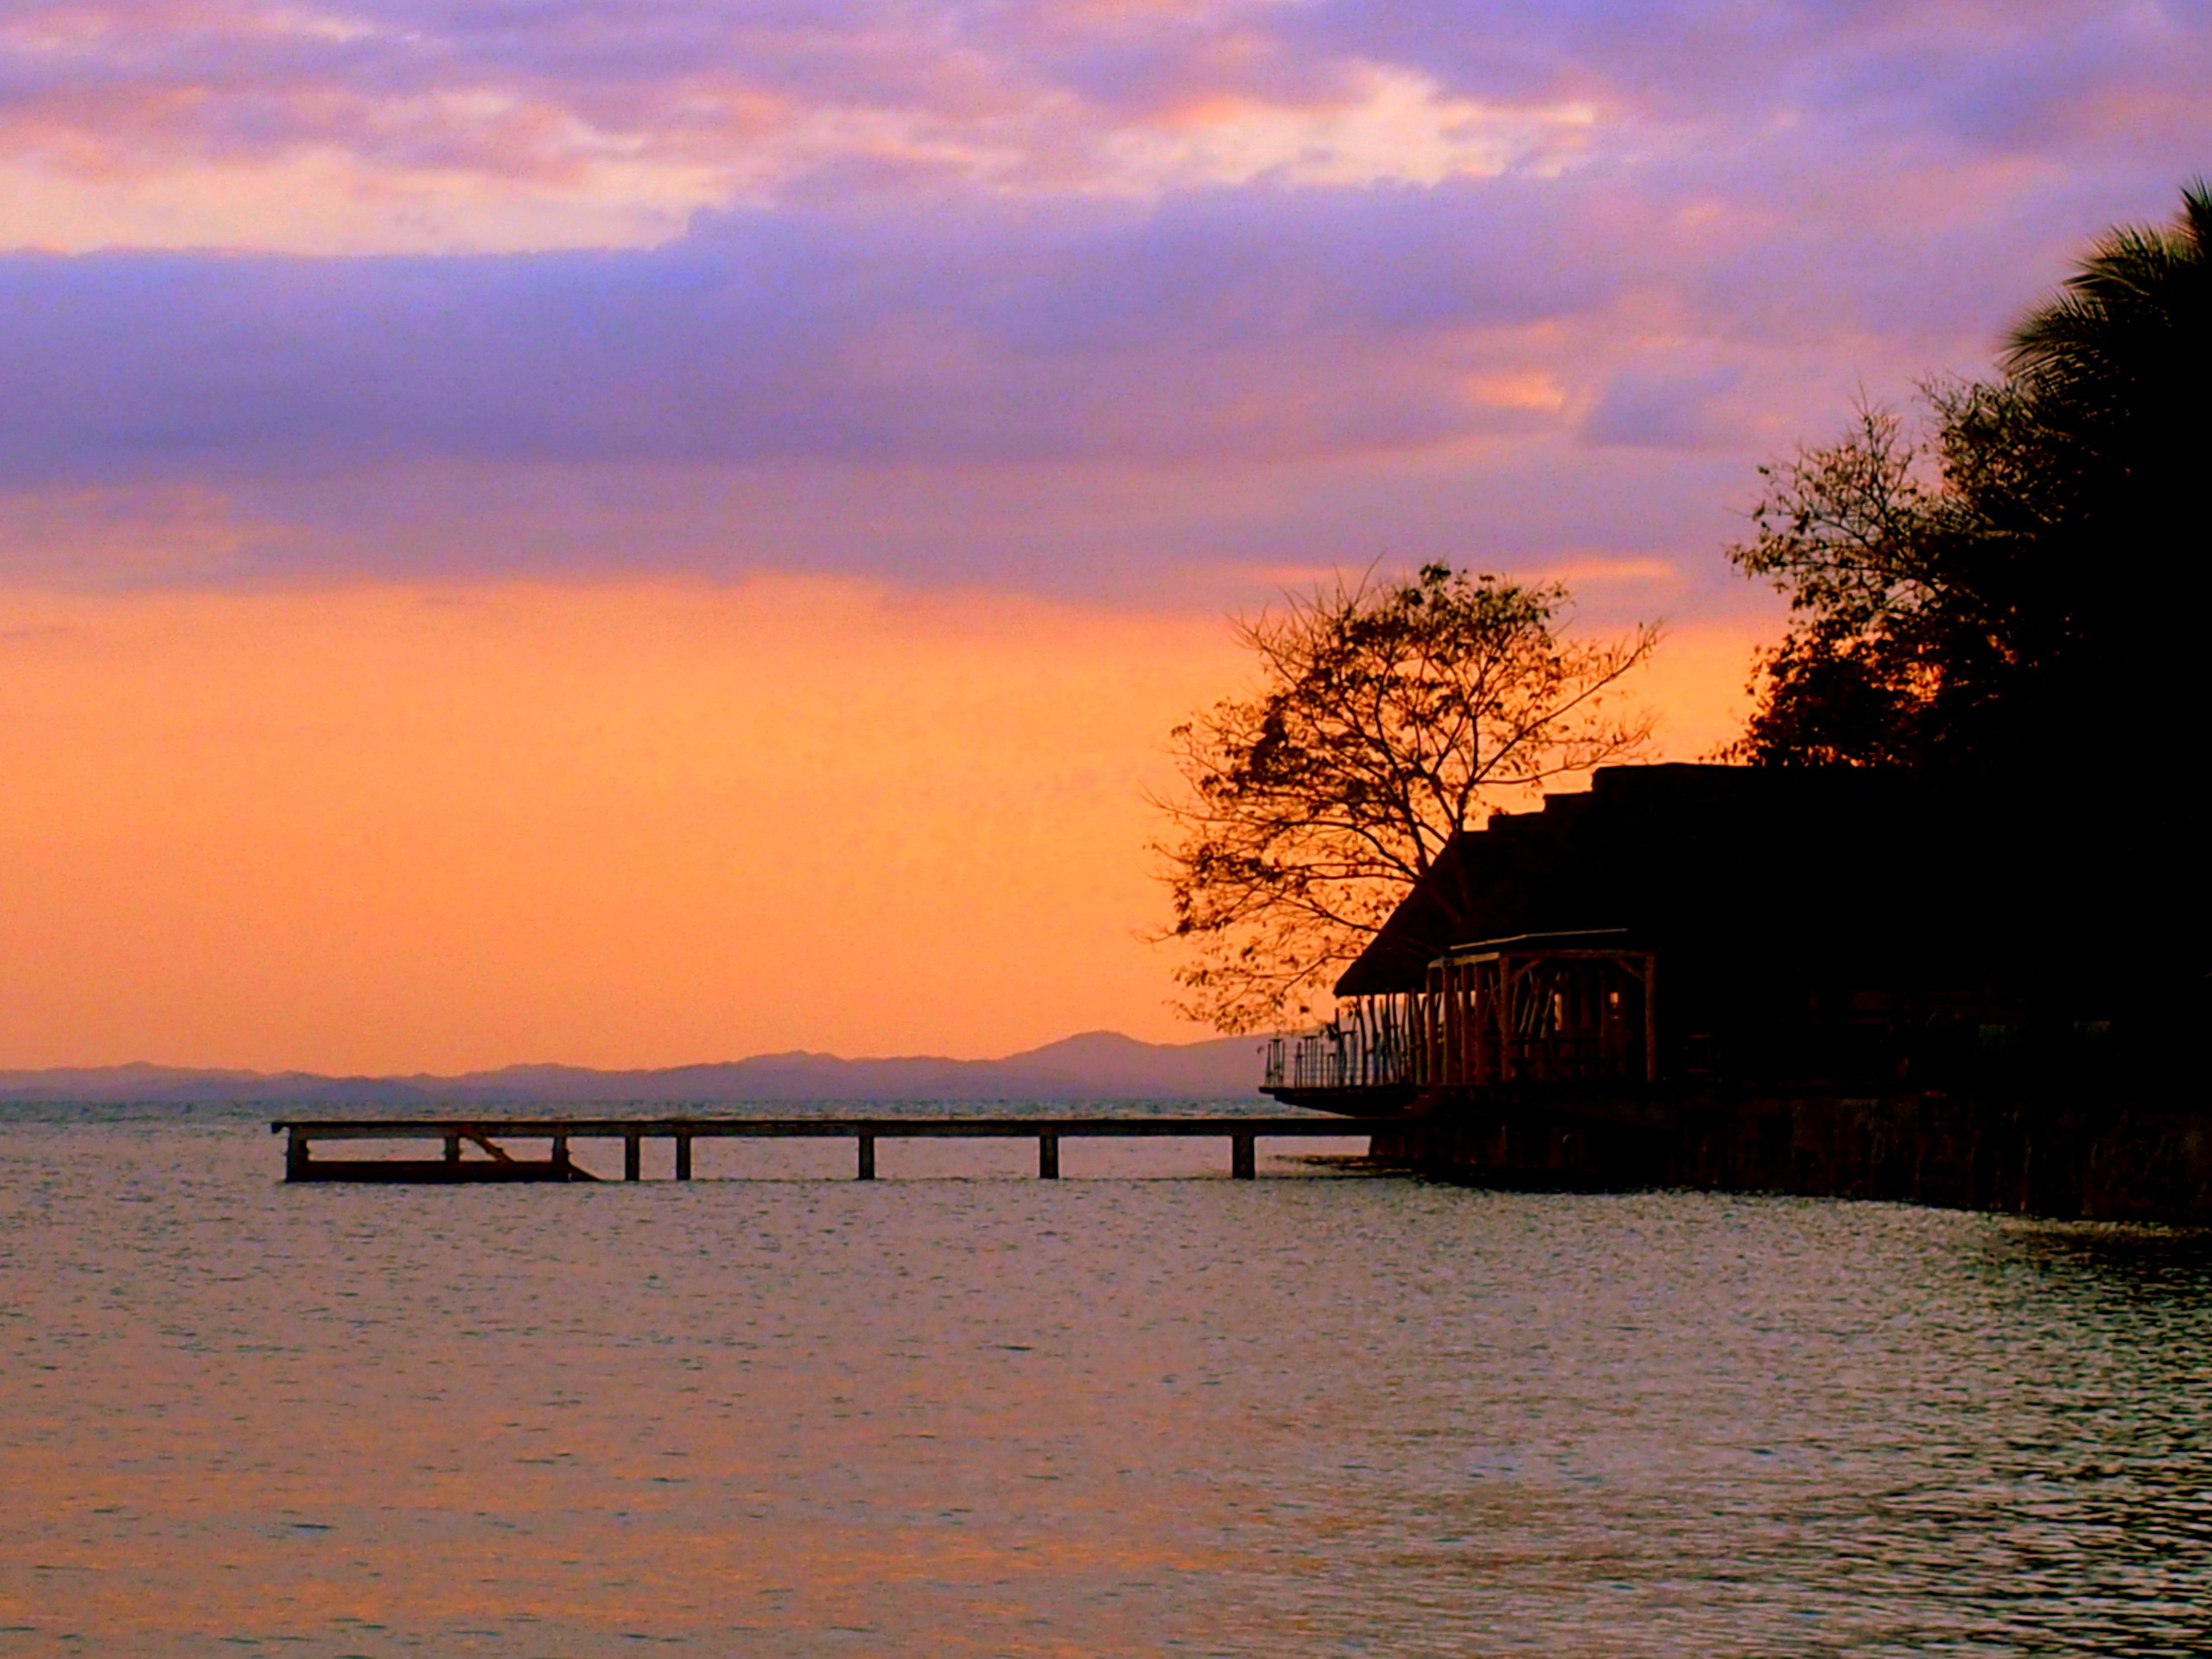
(1108, 1416)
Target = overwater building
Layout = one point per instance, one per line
(1810, 979)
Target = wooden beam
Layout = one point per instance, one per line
(1651, 1017)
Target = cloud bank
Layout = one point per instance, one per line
(931, 290)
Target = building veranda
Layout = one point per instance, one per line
(1803, 980)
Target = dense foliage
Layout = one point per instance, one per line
(2021, 589)
(1391, 715)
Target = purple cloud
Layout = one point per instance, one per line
(1214, 326)
(1662, 409)
(996, 292)
(1046, 94)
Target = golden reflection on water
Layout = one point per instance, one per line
(1101, 1416)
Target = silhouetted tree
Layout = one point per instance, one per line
(1391, 715)
(2020, 590)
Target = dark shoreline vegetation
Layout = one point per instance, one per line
(1935, 932)
(2015, 588)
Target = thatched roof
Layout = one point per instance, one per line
(1734, 873)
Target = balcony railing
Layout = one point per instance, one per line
(1486, 1016)
(1335, 1058)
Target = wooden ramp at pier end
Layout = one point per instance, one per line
(472, 1149)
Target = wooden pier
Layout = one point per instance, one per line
(472, 1149)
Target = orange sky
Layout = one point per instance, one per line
(389, 828)
(511, 550)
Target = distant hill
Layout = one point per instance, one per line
(1097, 1064)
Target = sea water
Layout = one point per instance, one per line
(1144, 1409)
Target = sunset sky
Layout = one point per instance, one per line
(636, 532)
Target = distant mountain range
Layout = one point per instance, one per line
(1097, 1064)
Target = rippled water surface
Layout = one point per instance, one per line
(964, 1413)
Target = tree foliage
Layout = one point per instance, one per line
(1391, 715)
(2014, 586)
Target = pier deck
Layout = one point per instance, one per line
(471, 1148)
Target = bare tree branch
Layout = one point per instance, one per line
(1391, 714)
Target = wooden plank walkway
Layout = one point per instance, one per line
(460, 1138)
